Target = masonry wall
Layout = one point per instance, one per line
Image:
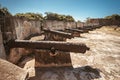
(101, 21)
(2, 49)
(79, 24)
(54, 25)
(61, 25)
(25, 27)
(21, 28)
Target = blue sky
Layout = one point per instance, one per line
(79, 9)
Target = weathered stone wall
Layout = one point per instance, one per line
(70, 24)
(2, 49)
(79, 24)
(61, 25)
(7, 28)
(54, 24)
(25, 28)
(101, 21)
(9, 71)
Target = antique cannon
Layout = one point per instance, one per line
(76, 30)
(48, 45)
(56, 35)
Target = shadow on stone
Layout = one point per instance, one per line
(66, 73)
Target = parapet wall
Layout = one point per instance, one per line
(2, 49)
(61, 25)
(25, 28)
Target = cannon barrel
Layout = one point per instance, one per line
(47, 45)
(86, 28)
(60, 33)
(76, 30)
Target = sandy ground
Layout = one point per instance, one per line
(102, 62)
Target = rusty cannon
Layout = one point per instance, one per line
(49, 45)
(76, 30)
(56, 35)
(86, 28)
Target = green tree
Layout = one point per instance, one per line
(113, 17)
(30, 16)
(5, 11)
(58, 17)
